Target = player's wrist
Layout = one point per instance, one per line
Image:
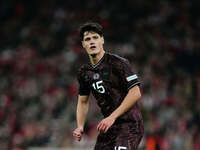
(113, 116)
(80, 126)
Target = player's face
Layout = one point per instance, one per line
(92, 42)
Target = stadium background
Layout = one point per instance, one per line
(40, 53)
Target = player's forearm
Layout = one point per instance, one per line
(82, 111)
(130, 99)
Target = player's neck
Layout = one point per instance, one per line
(94, 59)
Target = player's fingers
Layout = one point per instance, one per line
(76, 134)
(106, 129)
(99, 126)
(77, 137)
(102, 128)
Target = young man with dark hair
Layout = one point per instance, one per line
(115, 87)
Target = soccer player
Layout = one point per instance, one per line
(115, 86)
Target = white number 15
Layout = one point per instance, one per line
(98, 86)
(120, 148)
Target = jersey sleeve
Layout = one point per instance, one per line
(130, 79)
(84, 88)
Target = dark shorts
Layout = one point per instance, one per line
(125, 136)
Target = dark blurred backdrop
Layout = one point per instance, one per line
(40, 53)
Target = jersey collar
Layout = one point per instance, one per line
(100, 61)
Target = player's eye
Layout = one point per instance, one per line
(95, 37)
(87, 39)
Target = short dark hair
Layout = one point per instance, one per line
(90, 26)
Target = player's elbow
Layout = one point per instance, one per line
(139, 95)
(136, 92)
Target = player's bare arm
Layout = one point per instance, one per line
(130, 99)
(81, 114)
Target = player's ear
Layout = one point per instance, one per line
(102, 39)
(83, 44)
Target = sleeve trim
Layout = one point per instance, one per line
(137, 83)
(84, 94)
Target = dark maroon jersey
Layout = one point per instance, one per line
(109, 81)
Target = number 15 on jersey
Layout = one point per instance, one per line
(98, 86)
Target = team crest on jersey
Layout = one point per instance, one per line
(96, 76)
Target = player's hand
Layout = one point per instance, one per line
(77, 133)
(105, 124)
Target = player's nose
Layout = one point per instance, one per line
(92, 43)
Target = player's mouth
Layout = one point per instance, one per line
(93, 47)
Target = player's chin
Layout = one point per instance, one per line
(93, 53)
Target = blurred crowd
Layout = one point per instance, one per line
(40, 53)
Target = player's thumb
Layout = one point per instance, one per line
(81, 130)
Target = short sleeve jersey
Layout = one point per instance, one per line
(109, 81)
